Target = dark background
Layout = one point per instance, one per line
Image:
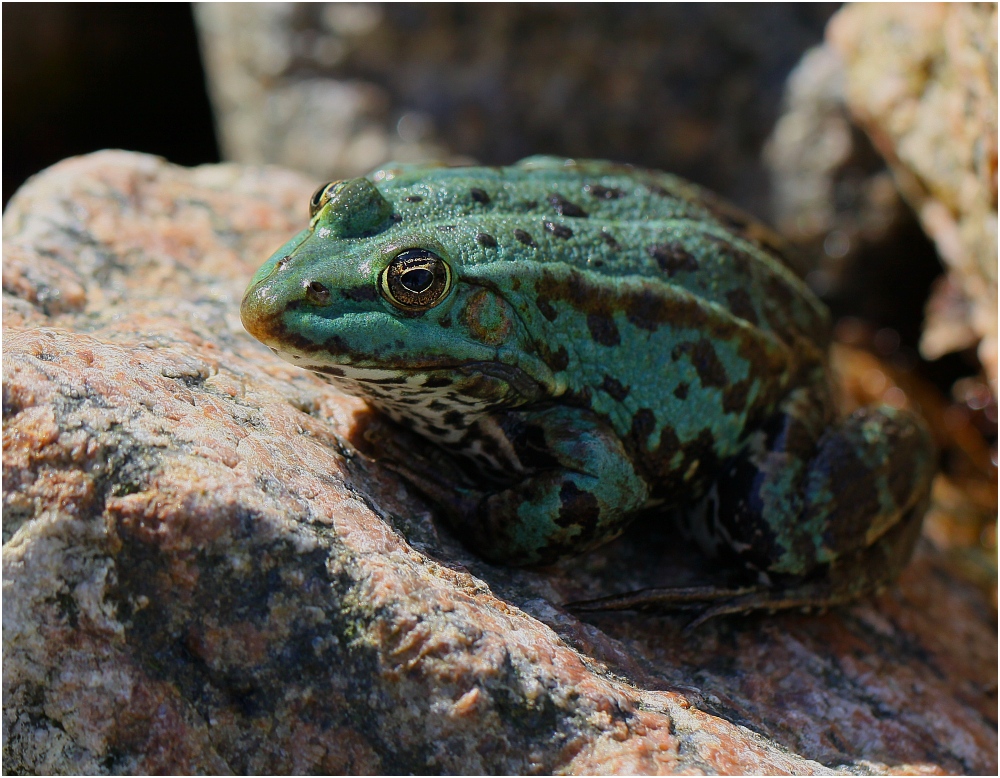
(78, 77)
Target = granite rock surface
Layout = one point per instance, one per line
(207, 568)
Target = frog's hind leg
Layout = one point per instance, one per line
(815, 513)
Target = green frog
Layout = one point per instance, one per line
(582, 341)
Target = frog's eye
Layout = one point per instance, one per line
(320, 197)
(416, 280)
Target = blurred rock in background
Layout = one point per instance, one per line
(922, 86)
(922, 81)
(335, 89)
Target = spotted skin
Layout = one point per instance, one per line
(589, 340)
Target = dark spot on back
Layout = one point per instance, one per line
(658, 190)
(741, 259)
(609, 239)
(643, 424)
(486, 240)
(547, 309)
(479, 196)
(741, 304)
(559, 230)
(672, 257)
(524, 237)
(413, 199)
(614, 388)
(646, 311)
(559, 360)
(566, 208)
(603, 329)
(603, 192)
(705, 361)
(530, 204)
(681, 390)
(395, 218)
(437, 381)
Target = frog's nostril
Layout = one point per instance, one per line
(317, 294)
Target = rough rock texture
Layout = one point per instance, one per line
(207, 569)
(922, 80)
(334, 89)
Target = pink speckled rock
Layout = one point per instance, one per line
(207, 569)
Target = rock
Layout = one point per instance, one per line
(921, 80)
(335, 89)
(834, 199)
(208, 569)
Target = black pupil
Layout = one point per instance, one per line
(417, 280)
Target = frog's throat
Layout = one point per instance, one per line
(529, 385)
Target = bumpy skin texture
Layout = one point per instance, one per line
(583, 340)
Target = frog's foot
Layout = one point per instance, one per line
(713, 601)
(856, 574)
(441, 485)
(425, 466)
(577, 488)
(668, 598)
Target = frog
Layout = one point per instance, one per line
(579, 342)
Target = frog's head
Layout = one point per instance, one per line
(370, 303)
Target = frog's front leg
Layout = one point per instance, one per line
(577, 489)
(818, 512)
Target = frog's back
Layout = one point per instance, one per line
(616, 222)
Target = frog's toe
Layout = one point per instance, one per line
(670, 598)
(713, 600)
